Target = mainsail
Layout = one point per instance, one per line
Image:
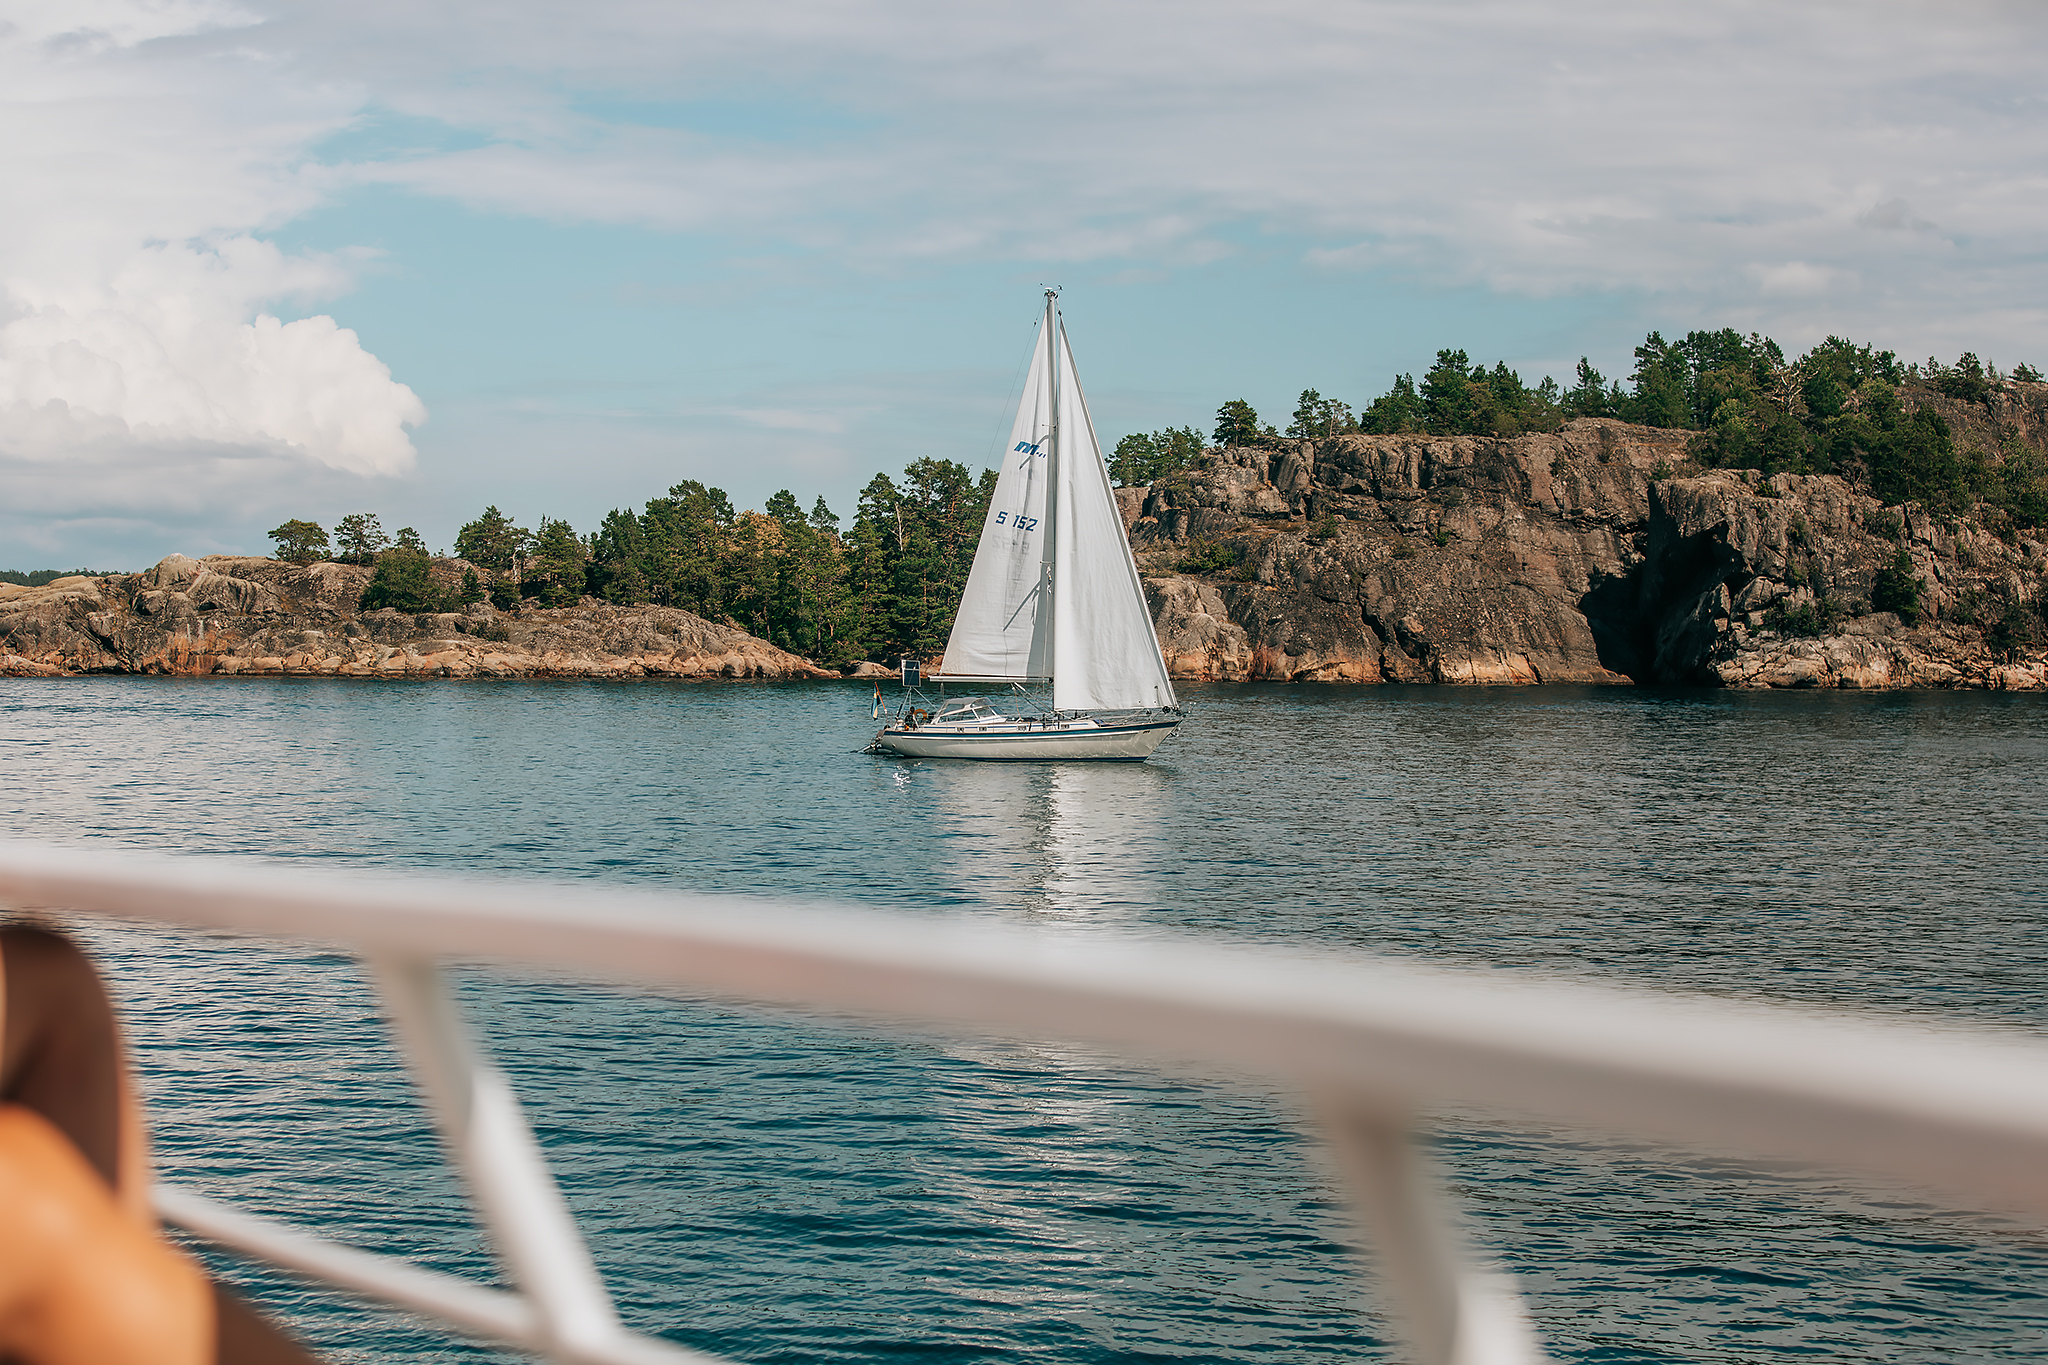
(1054, 592)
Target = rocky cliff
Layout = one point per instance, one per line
(226, 615)
(1595, 554)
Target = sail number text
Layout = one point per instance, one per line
(1021, 522)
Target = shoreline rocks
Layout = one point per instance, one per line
(233, 616)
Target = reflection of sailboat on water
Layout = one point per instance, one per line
(1081, 844)
(1104, 852)
(1053, 597)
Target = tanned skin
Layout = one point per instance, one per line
(86, 1277)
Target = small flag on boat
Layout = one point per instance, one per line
(878, 701)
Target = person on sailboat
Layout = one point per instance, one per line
(86, 1276)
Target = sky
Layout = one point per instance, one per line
(266, 259)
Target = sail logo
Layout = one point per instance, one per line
(1032, 446)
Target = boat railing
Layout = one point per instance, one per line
(1374, 1047)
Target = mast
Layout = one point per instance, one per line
(1059, 504)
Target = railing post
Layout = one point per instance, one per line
(1451, 1310)
(481, 1121)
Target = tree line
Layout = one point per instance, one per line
(36, 578)
(1838, 409)
(883, 587)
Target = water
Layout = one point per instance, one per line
(782, 1189)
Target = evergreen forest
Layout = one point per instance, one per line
(886, 584)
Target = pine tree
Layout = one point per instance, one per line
(492, 541)
(359, 538)
(1237, 423)
(1397, 410)
(558, 562)
(1448, 401)
(871, 551)
(300, 542)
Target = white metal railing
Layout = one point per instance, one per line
(1372, 1044)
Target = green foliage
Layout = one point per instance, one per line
(409, 539)
(404, 581)
(1885, 522)
(300, 542)
(2026, 374)
(1809, 619)
(1458, 398)
(1142, 458)
(940, 516)
(556, 566)
(1965, 381)
(1317, 417)
(1397, 410)
(1237, 423)
(1448, 405)
(1898, 589)
(1203, 556)
(1837, 410)
(787, 577)
(36, 578)
(360, 538)
(1589, 395)
(1660, 399)
(887, 587)
(2021, 488)
(2014, 630)
(1443, 536)
(492, 541)
(1915, 460)
(472, 588)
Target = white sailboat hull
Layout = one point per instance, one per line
(1059, 740)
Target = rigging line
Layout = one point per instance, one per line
(1008, 413)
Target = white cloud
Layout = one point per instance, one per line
(142, 353)
(1685, 151)
(167, 351)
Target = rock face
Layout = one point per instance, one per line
(1594, 554)
(225, 615)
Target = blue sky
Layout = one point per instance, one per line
(272, 259)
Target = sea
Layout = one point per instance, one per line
(775, 1187)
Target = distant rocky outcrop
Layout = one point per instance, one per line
(1594, 554)
(229, 615)
(1597, 554)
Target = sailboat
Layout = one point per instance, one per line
(1053, 599)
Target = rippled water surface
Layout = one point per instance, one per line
(781, 1189)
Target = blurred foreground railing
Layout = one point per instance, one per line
(1372, 1045)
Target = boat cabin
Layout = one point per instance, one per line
(971, 711)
